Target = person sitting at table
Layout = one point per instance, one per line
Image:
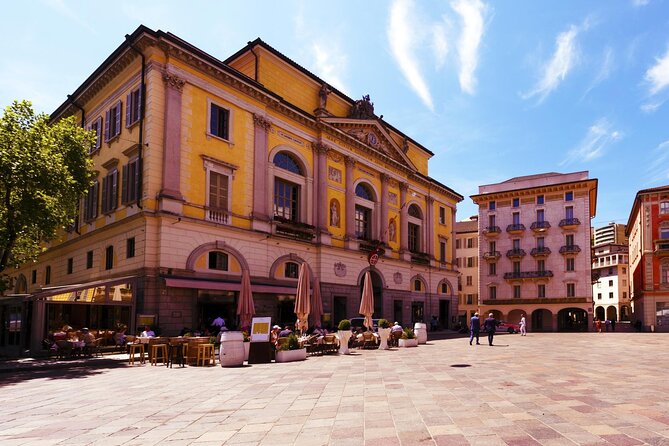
(62, 335)
(119, 336)
(87, 337)
(285, 332)
(274, 334)
(396, 327)
(148, 333)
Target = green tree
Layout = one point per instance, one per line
(44, 171)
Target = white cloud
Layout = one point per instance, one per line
(651, 107)
(658, 75)
(658, 170)
(330, 65)
(600, 135)
(606, 67)
(471, 12)
(439, 44)
(403, 41)
(556, 69)
(640, 3)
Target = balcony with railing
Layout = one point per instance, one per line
(492, 256)
(516, 253)
(531, 275)
(569, 223)
(540, 252)
(293, 229)
(492, 231)
(540, 226)
(570, 249)
(420, 258)
(661, 247)
(515, 228)
(217, 215)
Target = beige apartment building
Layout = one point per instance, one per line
(535, 250)
(467, 260)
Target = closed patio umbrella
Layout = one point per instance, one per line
(245, 306)
(367, 301)
(316, 303)
(302, 304)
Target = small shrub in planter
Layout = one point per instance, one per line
(344, 325)
(291, 350)
(408, 333)
(384, 323)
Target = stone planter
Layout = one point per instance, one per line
(343, 336)
(384, 334)
(420, 330)
(408, 342)
(291, 355)
(247, 347)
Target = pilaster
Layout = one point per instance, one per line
(170, 198)
(260, 218)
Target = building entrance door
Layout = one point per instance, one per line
(417, 312)
(443, 313)
(397, 311)
(339, 310)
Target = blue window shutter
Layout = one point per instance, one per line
(105, 186)
(114, 190)
(124, 185)
(213, 128)
(107, 134)
(128, 110)
(118, 118)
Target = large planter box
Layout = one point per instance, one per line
(408, 342)
(291, 355)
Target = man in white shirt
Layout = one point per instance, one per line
(148, 333)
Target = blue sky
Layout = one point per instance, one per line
(494, 89)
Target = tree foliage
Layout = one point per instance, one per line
(44, 171)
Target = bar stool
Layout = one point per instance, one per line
(158, 349)
(176, 352)
(205, 352)
(135, 348)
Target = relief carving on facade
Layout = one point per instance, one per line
(334, 213)
(397, 278)
(334, 174)
(335, 156)
(362, 109)
(173, 81)
(339, 269)
(261, 121)
(392, 198)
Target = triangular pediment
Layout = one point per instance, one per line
(371, 133)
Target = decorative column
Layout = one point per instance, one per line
(404, 222)
(384, 208)
(321, 184)
(260, 218)
(350, 200)
(170, 193)
(429, 226)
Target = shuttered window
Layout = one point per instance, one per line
(130, 187)
(91, 203)
(219, 121)
(133, 104)
(218, 191)
(96, 126)
(113, 122)
(110, 192)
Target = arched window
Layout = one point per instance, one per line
(415, 226)
(364, 208)
(287, 162)
(287, 188)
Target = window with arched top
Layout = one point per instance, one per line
(291, 270)
(415, 228)
(288, 186)
(364, 211)
(417, 285)
(287, 162)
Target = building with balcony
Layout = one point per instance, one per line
(209, 168)
(611, 233)
(648, 232)
(542, 261)
(467, 260)
(610, 285)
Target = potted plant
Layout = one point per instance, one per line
(344, 334)
(291, 351)
(247, 344)
(384, 333)
(408, 338)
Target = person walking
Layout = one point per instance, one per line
(523, 330)
(598, 324)
(490, 325)
(474, 328)
(613, 324)
(607, 324)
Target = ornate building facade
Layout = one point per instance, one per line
(208, 168)
(535, 250)
(648, 232)
(467, 260)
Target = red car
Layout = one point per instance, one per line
(508, 327)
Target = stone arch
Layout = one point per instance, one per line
(514, 316)
(369, 185)
(289, 258)
(378, 284)
(612, 313)
(572, 319)
(541, 320)
(304, 164)
(625, 313)
(424, 284)
(497, 314)
(21, 285)
(415, 208)
(449, 287)
(218, 245)
(600, 313)
(362, 272)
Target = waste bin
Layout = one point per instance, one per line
(420, 330)
(231, 352)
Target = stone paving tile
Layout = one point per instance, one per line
(531, 395)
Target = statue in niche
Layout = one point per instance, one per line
(323, 96)
(391, 231)
(334, 213)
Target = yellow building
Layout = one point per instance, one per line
(209, 168)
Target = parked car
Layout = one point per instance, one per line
(508, 327)
(359, 322)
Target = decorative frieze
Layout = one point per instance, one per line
(173, 81)
(334, 174)
(397, 278)
(261, 121)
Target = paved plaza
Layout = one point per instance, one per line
(546, 388)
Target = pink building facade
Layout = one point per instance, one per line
(534, 250)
